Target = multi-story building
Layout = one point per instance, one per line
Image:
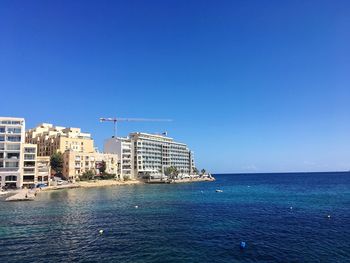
(152, 153)
(76, 163)
(11, 151)
(43, 169)
(77, 148)
(19, 164)
(29, 165)
(123, 148)
(52, 139)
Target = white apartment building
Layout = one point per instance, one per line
(151, 153)
(43, 169)
(11, 151)
(29, 173)
(122, 147)
(19, 164)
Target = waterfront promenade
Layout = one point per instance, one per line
(23, 195)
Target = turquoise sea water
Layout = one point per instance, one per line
(185, 222)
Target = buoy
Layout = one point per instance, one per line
(329, 216)
(242, 245)
(136, 206)
(101, 231)
(291, 207)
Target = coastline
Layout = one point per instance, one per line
(102, 183)
(193, 180)
(27, 194)
(90, 184)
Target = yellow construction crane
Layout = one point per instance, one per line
(115, 120)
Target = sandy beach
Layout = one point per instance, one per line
(99, 183)
(89, 184)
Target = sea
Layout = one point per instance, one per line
(281, 217)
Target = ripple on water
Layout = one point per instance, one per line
(185, 223)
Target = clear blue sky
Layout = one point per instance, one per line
(252, 86)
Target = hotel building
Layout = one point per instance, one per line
(151, 153)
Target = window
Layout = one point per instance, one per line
(2, 138)
(29, 150)
(2, 129)
(11, 178)
(29, 156)
(14, 138)
(12, 155)
(14, 130)
(11, 164)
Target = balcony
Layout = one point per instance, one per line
(32, 171)
(11, 179)
(11, 130)
(13, 147)
(29, 150)
(13, 138)
(8, 169)
(29, 157)
(29, 164)
(28, 180)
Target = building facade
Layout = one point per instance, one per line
(51, 139)
(29, 165)
(77, 163)
(123, 148)
(43, 169)
(11, 151)
(19, 164)
(151, 154)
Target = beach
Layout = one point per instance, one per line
(101, 183)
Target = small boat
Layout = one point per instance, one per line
(218, 191)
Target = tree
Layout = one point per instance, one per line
(171, 172)
(107, 176)
(56, 162)
(102, 167)
(86, 176)
(195, 170)
(167, 171)
(203, 171)
(175, 172)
